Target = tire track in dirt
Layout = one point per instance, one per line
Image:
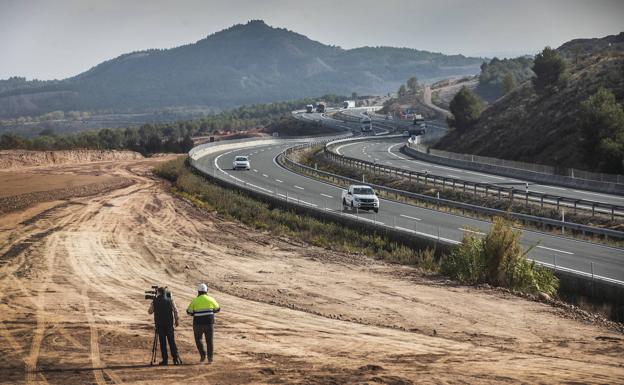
(40, 315)
(94, 345)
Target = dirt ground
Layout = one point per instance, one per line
(73, 272)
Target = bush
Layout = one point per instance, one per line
(466, 108)
(498, 259)
(549, 69)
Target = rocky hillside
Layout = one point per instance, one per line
(244, 64)
(544, 128)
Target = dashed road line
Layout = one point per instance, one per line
(300, 188)
(408, 217)
(556, 250)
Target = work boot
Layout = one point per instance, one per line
(177, 361)
(162, 363)
(202, 358)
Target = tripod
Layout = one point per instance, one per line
(154, 346)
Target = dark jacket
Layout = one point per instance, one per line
(163, 312)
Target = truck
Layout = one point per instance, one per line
(348, 104)
(360, 197)
(320, 107)
(366, 124)
(309, 108)
(418, 119)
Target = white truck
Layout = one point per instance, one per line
(348, 104)
(360, 197)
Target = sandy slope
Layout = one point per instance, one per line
(72, 275)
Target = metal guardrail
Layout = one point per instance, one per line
(491, 189)
(525, 218)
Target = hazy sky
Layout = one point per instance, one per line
(48, 39)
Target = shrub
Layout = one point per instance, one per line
(498, 259)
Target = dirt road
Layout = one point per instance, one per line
(73, 272)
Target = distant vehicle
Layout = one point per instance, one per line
(320, 107)
(241, 162)
(418, 119)
(406, 134)
(418, 130)
(309, 108)
(366, 124)
(348, 104)
(360, 197)
(275, 134)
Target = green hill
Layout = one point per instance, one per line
(528, 126)
(244, 64)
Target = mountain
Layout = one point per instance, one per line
(250, 63)
(546, 129)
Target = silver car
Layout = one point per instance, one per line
(241, 163)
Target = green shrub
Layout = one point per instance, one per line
(498, 259)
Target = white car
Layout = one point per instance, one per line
(360, 197)
(241, 162)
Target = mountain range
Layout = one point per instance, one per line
(246, 63)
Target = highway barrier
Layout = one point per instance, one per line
(490, 212)
(611, 184)
(518, 193)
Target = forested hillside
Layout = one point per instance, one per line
(244, 64)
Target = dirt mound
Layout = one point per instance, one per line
(21, 158)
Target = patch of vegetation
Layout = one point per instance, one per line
(549, 68)
(500, 76)
(289, 126)
(466, 108)
(259, 215)
(498, 259)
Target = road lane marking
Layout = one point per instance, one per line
(414, 218)
(557, 250)
(598, 195)
(255, 170)
(280, 181)
(555, 188)
(452, 241)
(265, 175)
(393, 154)
(471, 231)
(325, 195)
(300, 188)
(452, 176)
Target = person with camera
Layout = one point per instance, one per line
(203, 308)
(165, 316)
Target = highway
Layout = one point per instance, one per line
(270, 178)
(386, 151)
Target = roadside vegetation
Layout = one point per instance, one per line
(497, 259)
(175, 137)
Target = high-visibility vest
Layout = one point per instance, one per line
(202, 305)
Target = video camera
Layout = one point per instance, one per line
(152, 293)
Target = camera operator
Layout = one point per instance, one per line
(165, 315)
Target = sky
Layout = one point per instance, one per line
(55, 39)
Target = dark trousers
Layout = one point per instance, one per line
(204, 331)
(165, 333)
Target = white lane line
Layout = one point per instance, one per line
(344, 145)
(255, 170)
(393, 154)
(414, 218)
(325, 195)
(598, 195)
(300, 188)
(265, 175)
(279, 181)
(557, 250)
(452, 176)
(471, 231)
(555, 188)
(452, 241)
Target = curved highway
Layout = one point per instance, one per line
(386, 151)
(270, 178)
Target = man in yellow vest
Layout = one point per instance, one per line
(203, 309)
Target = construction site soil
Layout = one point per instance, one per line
(73, 270)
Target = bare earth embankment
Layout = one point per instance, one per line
(72, 275)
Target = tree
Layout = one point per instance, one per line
(509, 83)
(549, 69)
(412, 83)
(466, 108)
(402, 90)
(602, 129)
